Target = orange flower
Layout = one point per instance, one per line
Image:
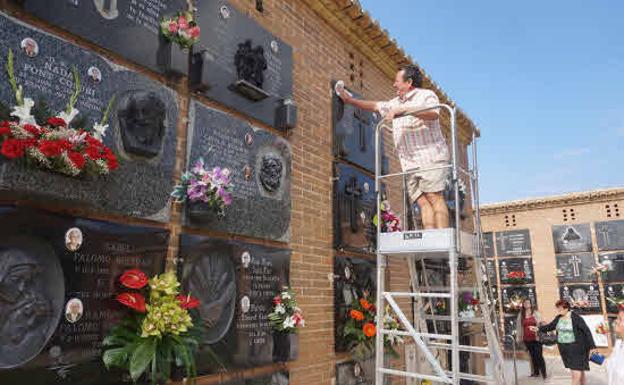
(365, 304)
(357, 315)
(369, 329)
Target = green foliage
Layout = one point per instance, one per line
(10, 69)
(77, 89)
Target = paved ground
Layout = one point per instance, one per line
(558, 375)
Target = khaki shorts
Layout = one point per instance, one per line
(428, 181)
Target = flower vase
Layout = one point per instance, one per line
(173, 59)
(281, 346)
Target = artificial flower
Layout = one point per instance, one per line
(99, 131)
(68, 116)
(188, 302)
(369, 329)
(133, 300)
(22, 112)
(134, 279)
(357, 315)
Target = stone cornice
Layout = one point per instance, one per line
(364, 33)
(553, 201)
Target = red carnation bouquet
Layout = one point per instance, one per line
(515, 277)
(55, 146)
(158, 332)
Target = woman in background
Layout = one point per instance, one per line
(574, 340)
(527, 318)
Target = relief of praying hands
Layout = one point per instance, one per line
(216, 288)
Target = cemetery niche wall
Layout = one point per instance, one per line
(572, 238)
(141, 133)
(354, 208)
(610, 235)
(516, 271)
(614, 264)
(260, 166)
(585, 298)
(354, 278)
(235, 283)
(242, 65)
(58, 279)
(576, 267)
(130, 28)
(513, 243)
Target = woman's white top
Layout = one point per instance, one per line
(615, 364)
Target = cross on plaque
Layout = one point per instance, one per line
(604, 231)
(575, 261)
(352, 193)
(362, 122)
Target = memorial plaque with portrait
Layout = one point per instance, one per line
(59, 278)
(517, 271)
(260, 169)
(235, 283)
(513, 243)
(354, 278)
(130, 28)
(513, 296)
(614, 265)
(610, 235)
(354, 209)
(583, 298)
(354, 133)
(142, 126)
(576, 267)
(240, 64)
(614, 293)
(572, 238)
(488, 244)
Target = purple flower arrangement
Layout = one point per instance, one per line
(201, 185)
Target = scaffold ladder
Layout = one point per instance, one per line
(424, 250)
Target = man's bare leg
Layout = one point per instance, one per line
(426, 212)
(440, 210)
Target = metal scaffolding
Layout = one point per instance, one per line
(422, 249)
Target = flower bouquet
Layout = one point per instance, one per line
(603, 328)
(515, 302)
(211, 187)
(515, 277)
(360, 330)
(390, 222)
(603, 268)
(468, 305)
(180, 29)
(286, 318)
(158, 333)
(55, 146)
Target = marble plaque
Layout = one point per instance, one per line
(130, 28)
(517, 294)
(354, 208)
(142, 130)
(240, 64)
(491, 271)
(511, 265)
(353, 279)
(260, 165)
(576, 267)
(509, 328)
(513, 243)
(610, 235)
(236, 283)
(614, 263)
(488, 244)
(354, 133)
(585, 298)
(613, 294)
(572, 238)
(58, 280)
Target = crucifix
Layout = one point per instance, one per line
(362, 121)
(604, 231)
(575, 261)
(353, 192)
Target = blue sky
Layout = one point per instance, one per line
(544, 81)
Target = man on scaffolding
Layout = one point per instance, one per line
(419, 142)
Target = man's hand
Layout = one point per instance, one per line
(533, 328)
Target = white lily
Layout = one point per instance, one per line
(286, 295)
(99, 131)
(68, 117)
(77, 138)
(23, 112)
(280, 309)
(289, 322)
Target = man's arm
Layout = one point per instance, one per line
(368, 105)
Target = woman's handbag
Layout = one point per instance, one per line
(597, 358)
(548, 339)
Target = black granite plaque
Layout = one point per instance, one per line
(488, 244)
(58, 279)
(511, 295)
(240, 64)
(610, 235)
(491, 271)
(576, 267)
(513, 243)
(354, 133)
(614, 262)
(236, 283)
(278, 378)
(585, 298)
(354, 278)
(354, 208)
(142, 128)
(613, 294)
(354, 373)
(572, 238)
(508, 266)
(130, 28)
(509, 331)
(260, 165)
